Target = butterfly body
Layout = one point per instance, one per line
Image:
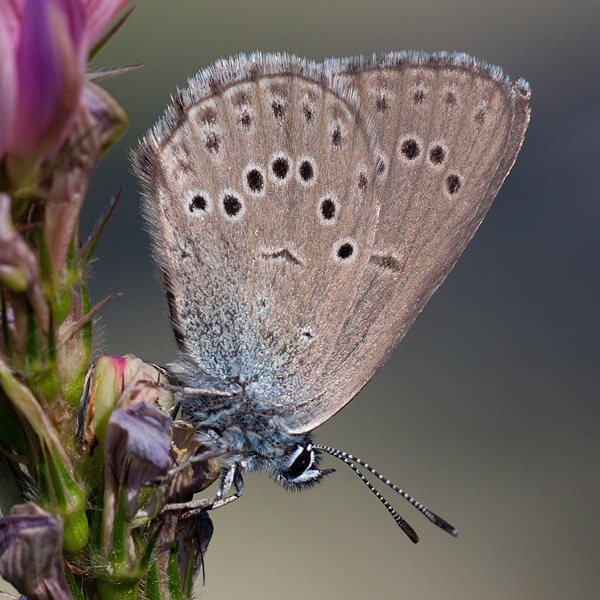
(253, 434)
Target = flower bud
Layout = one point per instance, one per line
(137, 451)
(19, 269)
(31, 553)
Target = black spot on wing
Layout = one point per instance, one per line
(284, 254)
(386, 262)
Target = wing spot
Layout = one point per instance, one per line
(336, 136)
(240, 98)
(450, 98)
(232, 205)
(284, 254)
(245, 121)
(255, 180)
(212, 143)
(280, 167)
(278, 109)
(453, 184)
(363, 182)
(306, 171)
(308, 112)
(345, 251)
(198, 202)
(437, 155)
(381, 104)
(209, 116)
(419, 96)
(328, 209)
(410, 149)
(386, 262)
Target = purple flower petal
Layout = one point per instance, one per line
(8, 85)
(31, 553)
(99, 13)
(50, 64)
(192, 539)
(137, 449)
(10, 14)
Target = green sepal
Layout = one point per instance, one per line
(123, 571)
(109, 34)
(31, 345)
(77, 593)
(72, 389)
(58, 294)
(30, 411)
(76, 532)
(148, 553)
(79, 356)
(85, 254)
(152, 587)
(173, 576)
(96, 518)
(87, 328)
(65, 496)
(40, 359)
(120, 532)
(46, 270)
(187, 585)
(47, 377)
(60, 302)
(109, 589)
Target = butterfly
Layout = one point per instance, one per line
(302, 215)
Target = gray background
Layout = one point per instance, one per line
(488, 410)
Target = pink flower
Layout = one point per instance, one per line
(8, 90)
(98, 14)
(44, 47)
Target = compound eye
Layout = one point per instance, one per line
(303, 461)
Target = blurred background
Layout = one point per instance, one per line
(488, 411)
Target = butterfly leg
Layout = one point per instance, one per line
(232, 477)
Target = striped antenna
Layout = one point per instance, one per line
(349, 459)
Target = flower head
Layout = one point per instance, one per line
(44, 47)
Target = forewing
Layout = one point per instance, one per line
(259, 197)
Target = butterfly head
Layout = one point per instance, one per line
(299, 469)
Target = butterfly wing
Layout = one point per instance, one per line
(259, 198)
(449, 130)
